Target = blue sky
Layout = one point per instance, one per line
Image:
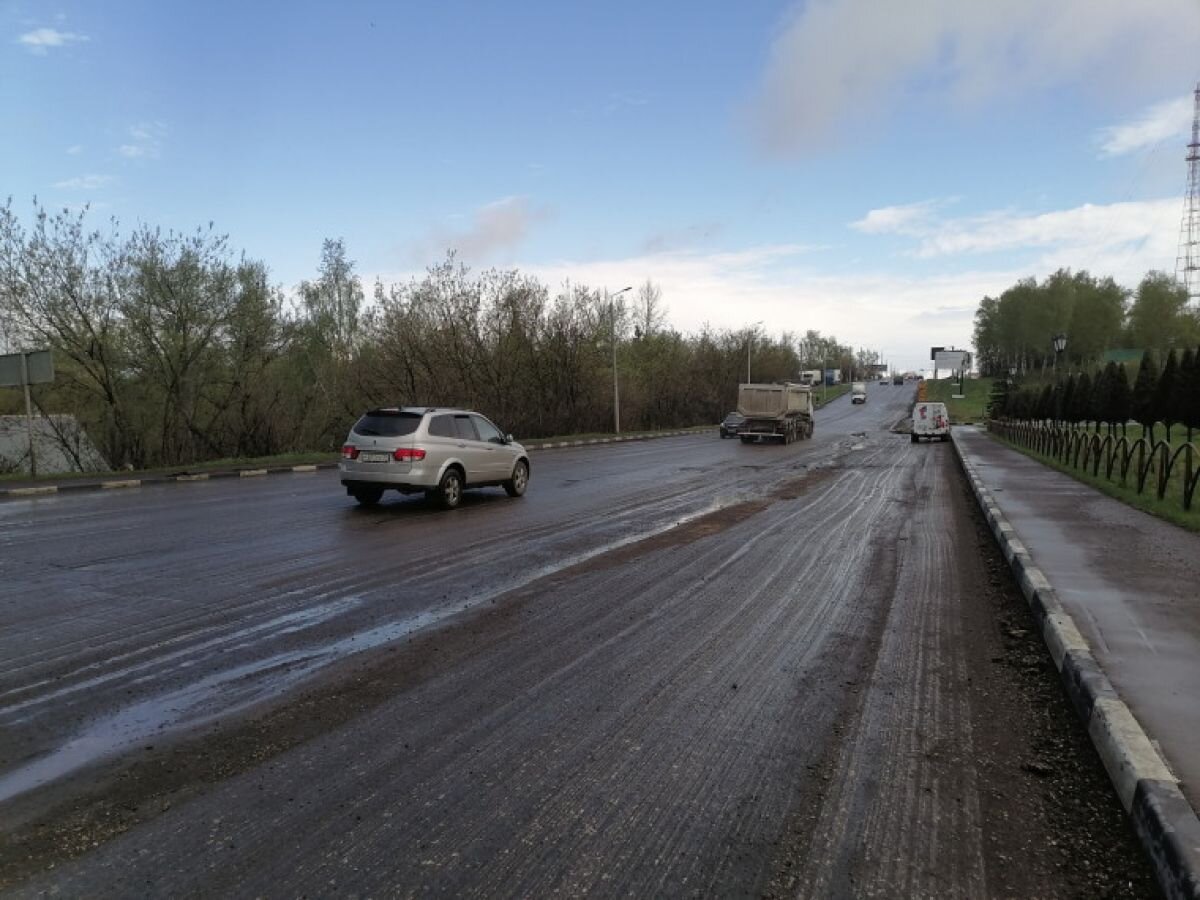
(845, 165)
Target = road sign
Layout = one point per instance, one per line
(20, 369)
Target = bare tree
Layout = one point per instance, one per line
(650, 313)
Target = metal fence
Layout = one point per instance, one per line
(1151, 465)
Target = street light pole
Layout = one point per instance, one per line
(612, 312)
(1060, 344)
(749, 342)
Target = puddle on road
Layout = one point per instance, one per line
(204, 701)
(289, 623)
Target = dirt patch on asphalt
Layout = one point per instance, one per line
(1053, 824)
(704, 526)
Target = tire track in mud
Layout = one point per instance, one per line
(902, 815)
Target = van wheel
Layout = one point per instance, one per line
(915, 439)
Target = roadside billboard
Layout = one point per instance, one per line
(954, 360)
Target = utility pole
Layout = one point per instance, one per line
(28, 414)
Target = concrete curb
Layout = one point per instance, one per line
(18, 493)
(621, 438)
(1164, 821)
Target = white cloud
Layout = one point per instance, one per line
(1088, 236)
(1169, 119)
(906, 219)
(840, 62)
(495, 228)
(620, 100)
(84, 183)
(146, 141)
(898, 310)
(1104, 238)
(42, 40)
(75, 149)
(780, 284)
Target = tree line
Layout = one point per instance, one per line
(1015, 330)
(174, 348)
(1166, 394)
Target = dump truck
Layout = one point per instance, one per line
(775, 411)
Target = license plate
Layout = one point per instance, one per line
(374, 457)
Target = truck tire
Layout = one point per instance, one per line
(746, 438)
(915, 439)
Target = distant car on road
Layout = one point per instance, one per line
(858, 392)
(732, 424)
(897, 379)
(930, 420)
(440, 452)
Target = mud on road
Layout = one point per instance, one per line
(829, 689)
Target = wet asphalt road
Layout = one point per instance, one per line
(684, 666)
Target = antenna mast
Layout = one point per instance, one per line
(1187, 263)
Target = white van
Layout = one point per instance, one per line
(858, 392)
(930, 420)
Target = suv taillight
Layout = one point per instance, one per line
(349, 452)
(408, 454)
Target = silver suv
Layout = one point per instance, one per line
(438, 451)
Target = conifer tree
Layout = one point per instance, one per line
(1168, 379)
(1143, 410)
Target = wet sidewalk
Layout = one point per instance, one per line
(1130, 581)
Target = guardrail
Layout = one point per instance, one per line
(1115, 455)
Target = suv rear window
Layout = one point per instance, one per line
(387, 423)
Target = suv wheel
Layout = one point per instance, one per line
(516, 485)
(449, 489)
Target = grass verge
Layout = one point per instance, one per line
(971, 408)
(825, 395)
(1169, 508)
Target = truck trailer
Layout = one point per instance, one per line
(775, 411)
